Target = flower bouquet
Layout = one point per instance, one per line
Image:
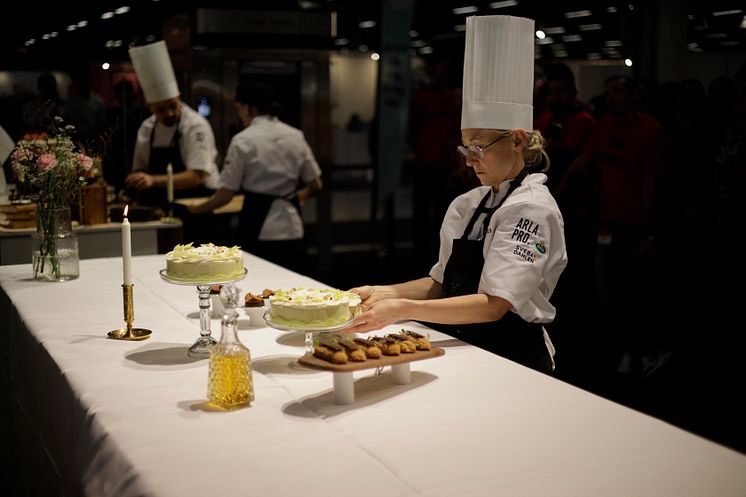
(50, 171)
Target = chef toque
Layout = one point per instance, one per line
(498, 73)
(155, 72)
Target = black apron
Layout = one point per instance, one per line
(253, 214)
(510, 337)
(160, 158)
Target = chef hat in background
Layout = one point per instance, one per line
(154, 72)
(498, 73)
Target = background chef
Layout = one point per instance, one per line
(175, 134)
(273, 165)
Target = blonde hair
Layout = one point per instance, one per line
(536, 158)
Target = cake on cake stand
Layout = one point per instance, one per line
(309, 332)
(201, 348)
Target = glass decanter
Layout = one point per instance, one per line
(229, 382)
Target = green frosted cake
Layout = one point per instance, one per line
(303, 308)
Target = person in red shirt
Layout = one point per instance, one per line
(568, 128)
(627, 153)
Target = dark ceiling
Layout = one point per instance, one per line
(612, 30)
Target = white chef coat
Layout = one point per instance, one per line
(268, 157)
(524, 249)
(196, 144)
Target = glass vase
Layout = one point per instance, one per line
(54, 246)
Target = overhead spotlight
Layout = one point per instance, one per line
(611, 10)
(426, 50)
(743, 23)
(578, 13)
(367, 24)
(413, 34)
(631, 7)
(628, 62)
(109, 44)
(590, 27)
(105, 66)
(340, 42)
(726, 12)
(363, 48)
(53, 34)
(72, 27)
(374, 56)
(82, 24)
(465, 10)
(150, 38)
(45, 36)
(540, 34)
(107, 15)
(557, 30)
(502, 5)
(460, 27)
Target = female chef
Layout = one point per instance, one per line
(502, 244)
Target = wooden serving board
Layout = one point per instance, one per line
(313, 362)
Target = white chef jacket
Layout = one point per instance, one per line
(196, 144)
(524, 249)
(268, 157)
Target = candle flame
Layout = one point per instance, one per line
(126, 208)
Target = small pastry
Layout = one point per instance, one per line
(251, 300)
(388, 346)
(407, 345)
(423, 343)
(355, 352)
(371, 349)
(330, 351)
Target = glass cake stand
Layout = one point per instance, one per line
(201, 348)
(309, 332)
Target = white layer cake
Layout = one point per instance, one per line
(207, 263)
(312, 307)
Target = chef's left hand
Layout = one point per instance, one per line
(139, 181)
(376, 316)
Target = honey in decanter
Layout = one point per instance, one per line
(229, 379)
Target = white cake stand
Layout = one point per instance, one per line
(201, 348)
(309, 332)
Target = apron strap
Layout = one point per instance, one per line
(481, 209)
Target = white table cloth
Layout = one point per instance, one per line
(131, 418)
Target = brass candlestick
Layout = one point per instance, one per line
(129, 333)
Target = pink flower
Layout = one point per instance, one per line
(85, 161)
(21, 154)
(46, 162)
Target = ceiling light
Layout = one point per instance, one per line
(545, 41)
(715, 35)
(465, 10)
(540, 34)
(340, 42)
(82, 24)
(571, 38)
(560, 53)
(613, 43)
(122, 10)
(374, 56)
(578, 13)
(363, 48)
(53, 34)
(610, 10)
(150, 38)
(426, 50)
(109, 44)
(107, 15)
(502, 5)
(413, 34)
(417, 43)
(590, 27)
(45, 36)
(308, 5)
(460, 27)
(72, 27)
(367, 24)
(628, 62)
(630, 6)
(728, 43)
(558, 30)
(743, 23)
(105, 66)
(594, 56)
(726, 12)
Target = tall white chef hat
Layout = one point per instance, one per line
(498, 73)
(155, 72)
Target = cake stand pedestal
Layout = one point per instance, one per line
(201, 348)
(309, 332)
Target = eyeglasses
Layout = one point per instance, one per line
(476, 150)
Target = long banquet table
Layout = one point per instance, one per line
(122, 419)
